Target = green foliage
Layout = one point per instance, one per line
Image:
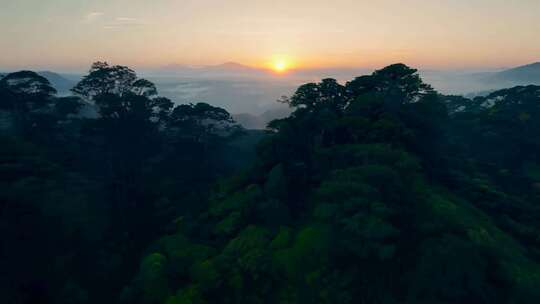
(350, 170)
(27, 87)
(276, 183)
(308, 251)
(152, 278)
(105, 79)
(91, 181)
(189, 295)
(282, 239)
(377, 191)
(451, 270)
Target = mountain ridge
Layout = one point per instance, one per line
(525, 74)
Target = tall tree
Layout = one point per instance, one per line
(25, 91)
(105, 79)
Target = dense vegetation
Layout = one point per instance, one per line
(377, 191)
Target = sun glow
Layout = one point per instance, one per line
(280, 65)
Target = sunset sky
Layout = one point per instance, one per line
(443, 34)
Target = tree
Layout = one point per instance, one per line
(25, 91)
(65, 106)
(396, 82)
(105, 79)
(133, 107)
(119, 94)
(144, 87)
(201, 122)
(351, 202)
(328, 92)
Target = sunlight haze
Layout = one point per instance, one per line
(70, 34)
(269, 151)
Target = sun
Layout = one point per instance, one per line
(280, 65)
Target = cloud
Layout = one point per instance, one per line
(125, 19)
(93, 16)
(123, 22)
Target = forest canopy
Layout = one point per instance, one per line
(377, 190)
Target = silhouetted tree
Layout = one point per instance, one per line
(25, 91)
(144, 87)
(105, 79)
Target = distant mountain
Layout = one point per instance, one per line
(340, 74)
(527, 74)
(259, 122)
(231, 66)
(225, 69)
(63, 84)
(481, 82)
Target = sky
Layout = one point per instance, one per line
(434, 34)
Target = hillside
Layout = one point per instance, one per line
(369, 193)
(527, 74)
(61, 83)
(377, 190)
